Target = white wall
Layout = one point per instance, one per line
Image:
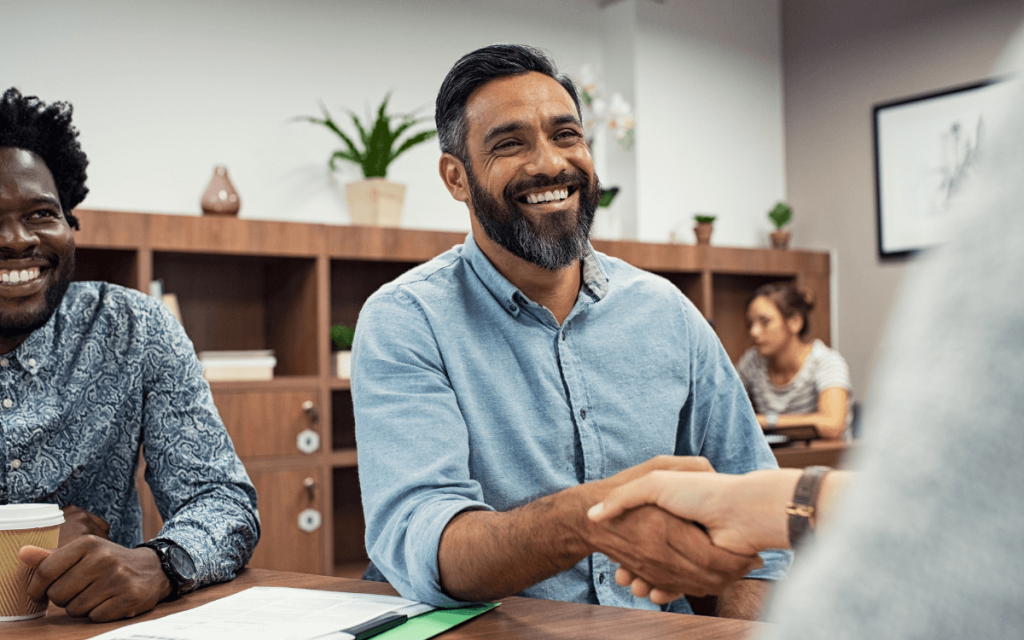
(165, 91)
(709, 114)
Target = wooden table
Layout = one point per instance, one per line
(515, 618)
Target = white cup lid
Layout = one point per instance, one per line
(29, 516)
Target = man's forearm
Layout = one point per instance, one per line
(486, 555)
(744, 599)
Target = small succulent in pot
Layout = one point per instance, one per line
(704, 227)
(780, 215)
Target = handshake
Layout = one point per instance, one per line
(676, 527)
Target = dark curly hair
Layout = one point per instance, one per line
(28, 123)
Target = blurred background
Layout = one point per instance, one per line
(737, 104)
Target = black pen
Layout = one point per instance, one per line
(380, 624)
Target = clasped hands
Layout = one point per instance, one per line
(90, 576)
(646, 522)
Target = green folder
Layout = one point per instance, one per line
(431, 624)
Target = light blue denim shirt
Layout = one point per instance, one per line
(110, 373)
(468, 395)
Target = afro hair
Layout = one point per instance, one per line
(26, 122)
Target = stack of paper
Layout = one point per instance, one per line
(238, 365)
(277, 613)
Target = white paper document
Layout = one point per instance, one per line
(271, 613)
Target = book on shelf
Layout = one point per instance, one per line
(256, 364)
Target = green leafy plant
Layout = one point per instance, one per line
(342, 336)
(780, 214)
(703, 218)
(378, 139)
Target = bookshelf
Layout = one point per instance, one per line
(248, 284)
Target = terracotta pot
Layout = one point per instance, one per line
(220, 197)
(703, 232)
(375, 202)
(780, 238)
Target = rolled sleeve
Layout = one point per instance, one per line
(413, 445)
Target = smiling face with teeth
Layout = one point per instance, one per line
(528, 177)
(37, 247)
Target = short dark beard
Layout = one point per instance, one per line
(559, 240)
(17, 327)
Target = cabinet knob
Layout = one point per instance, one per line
(308, 441)
(311, 412)
(310, 485)
(310, 520)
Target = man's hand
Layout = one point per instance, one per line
(669, 554)
(95, 578)
(78, 522)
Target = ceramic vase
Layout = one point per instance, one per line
(220, 197)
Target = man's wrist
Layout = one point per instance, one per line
(162, 585)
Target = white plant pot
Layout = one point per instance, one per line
(343, 364)
(375, 202)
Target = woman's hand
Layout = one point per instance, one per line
(743, 514)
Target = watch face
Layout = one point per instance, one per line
(182, 563)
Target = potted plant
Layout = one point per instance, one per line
(375, 200)
(704, 227)
(780, 215)
(342, 337)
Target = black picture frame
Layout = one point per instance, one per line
(926, 148)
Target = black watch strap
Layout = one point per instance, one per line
(805, 501)
(176, 564)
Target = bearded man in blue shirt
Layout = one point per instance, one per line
(90, 374)
(503, 388)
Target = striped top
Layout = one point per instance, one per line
(823, 369)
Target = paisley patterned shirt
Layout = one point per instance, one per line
(110, 374)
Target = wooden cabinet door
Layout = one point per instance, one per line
(268, 423)
(289, 501)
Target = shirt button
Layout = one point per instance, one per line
(600, 579)
(8, 403)
(512, 307)
(563, 336)
(583, 413)
(4, 362)
(15, 463)
(31, 362)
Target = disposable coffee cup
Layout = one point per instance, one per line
(22, 524)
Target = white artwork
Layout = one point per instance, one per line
(927, 150)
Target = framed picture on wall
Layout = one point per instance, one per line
(927, 150)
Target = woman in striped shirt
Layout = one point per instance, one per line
(792, 381)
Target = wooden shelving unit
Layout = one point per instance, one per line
(245, 284)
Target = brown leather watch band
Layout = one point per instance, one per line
(804, 504)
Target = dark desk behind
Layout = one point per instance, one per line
(515, 618)
(830, 453)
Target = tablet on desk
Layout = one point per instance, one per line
(780, 436)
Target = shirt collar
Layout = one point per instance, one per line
(511, 298)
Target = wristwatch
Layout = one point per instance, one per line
(802, 509)
(771, 419)
(176, 564)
